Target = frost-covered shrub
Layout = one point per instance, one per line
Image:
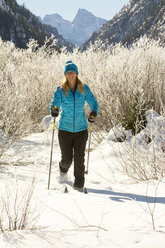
(17, 209)
(141, 67)
(142, 156)
(29, 77)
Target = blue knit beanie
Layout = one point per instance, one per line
(69, 66)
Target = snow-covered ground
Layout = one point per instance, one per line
(113, 214)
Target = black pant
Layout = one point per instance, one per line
(73, 146)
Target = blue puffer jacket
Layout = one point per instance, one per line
(73, 117)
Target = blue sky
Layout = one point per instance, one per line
(68, 8)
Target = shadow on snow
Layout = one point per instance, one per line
(121, 197)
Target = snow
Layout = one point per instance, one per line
(155, 130)
(113, 214)
(4, 6)
(1, 3)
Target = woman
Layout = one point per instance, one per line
(73, 133)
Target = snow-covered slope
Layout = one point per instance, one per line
(4, 6)
(137, 18)
(113, 213)
(1, 3)
(57, 21)
(76, 32)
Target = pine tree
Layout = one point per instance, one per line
(136, 120)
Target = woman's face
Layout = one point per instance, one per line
(71, 76)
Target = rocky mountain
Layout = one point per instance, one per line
(17, 24)
(137, 18)
(76, 32)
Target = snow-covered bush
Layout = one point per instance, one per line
(141, 156)
(124, 71)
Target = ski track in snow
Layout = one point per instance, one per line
(112, 214)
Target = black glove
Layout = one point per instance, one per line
(92, 116)
(54, 111)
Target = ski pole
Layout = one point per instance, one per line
(50, 166)
(89, 142)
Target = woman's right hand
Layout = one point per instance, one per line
(54, 111)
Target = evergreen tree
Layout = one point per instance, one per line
(136, 119)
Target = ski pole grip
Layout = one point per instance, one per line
(55, 107)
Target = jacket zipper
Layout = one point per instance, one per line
(74, 114)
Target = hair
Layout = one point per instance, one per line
(65, 86)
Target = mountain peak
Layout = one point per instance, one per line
(57, 16)
(83, 25)
(83, 11)
(86, 18)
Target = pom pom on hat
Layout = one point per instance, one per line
(70, 66)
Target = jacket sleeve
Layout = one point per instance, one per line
(89, 97)
(56, 99)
